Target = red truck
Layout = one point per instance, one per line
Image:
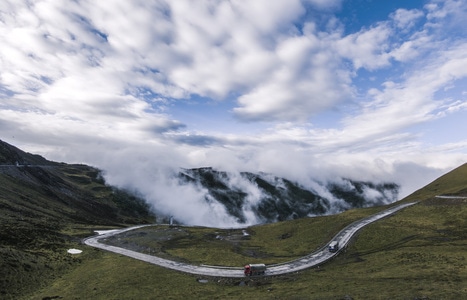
(254, 269)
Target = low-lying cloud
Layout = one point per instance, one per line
(124, 86)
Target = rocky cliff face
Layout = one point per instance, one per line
(263, 198)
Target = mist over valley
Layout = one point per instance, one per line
(245, 198)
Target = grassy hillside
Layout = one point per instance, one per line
(418, 253)
(269, 244)
(46, 208)
(452, 183)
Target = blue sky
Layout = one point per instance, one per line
(372, 90)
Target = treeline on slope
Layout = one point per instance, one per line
(40, 201)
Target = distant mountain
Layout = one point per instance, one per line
(48, 207)
(78, 193)
(272, 198)
(34, 186)
(44, 207)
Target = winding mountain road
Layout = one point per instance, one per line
(313, 259)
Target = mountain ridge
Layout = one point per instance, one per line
(11, 155)
(40, 222)
(45, 207)
(271, 198)
(248, 198)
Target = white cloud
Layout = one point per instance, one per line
(367, 48)
(399, 106)
(93, 76)
(438, 9)
(406, 18)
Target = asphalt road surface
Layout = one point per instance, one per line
(311, 260)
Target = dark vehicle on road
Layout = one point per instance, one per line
(333, 246)
(254, 269)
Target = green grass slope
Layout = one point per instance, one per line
(269, 244)
(418, 253)
(46, 208)
(453, 183)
